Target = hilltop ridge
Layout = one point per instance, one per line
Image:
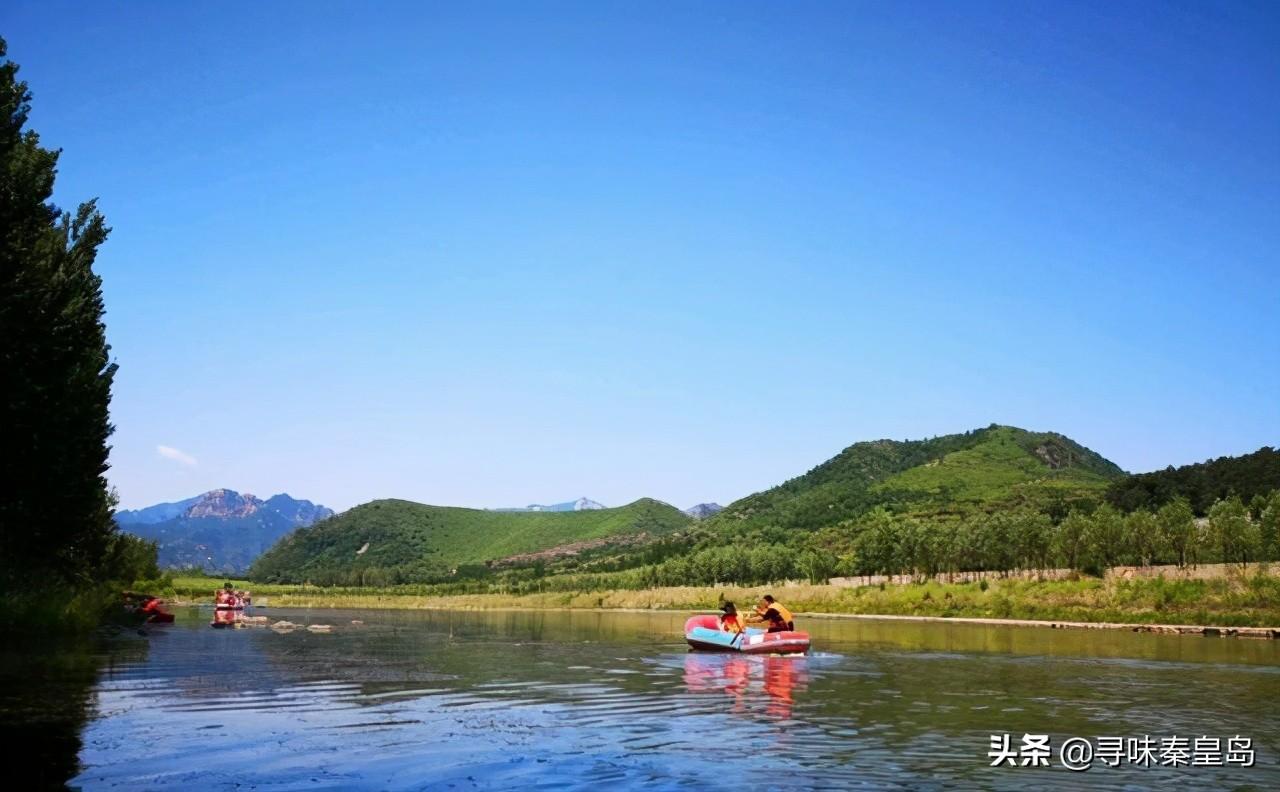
(397, 540)
(984, 468)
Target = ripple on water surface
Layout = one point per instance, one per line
(571, 700)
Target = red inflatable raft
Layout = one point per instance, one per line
(704, 633)
(147, 607)
(225, 599)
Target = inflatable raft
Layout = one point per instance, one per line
(146, 608)
(704, 633)
(231, 600)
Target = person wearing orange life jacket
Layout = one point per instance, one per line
(775, 614)
(730, 621)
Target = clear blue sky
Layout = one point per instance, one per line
(511, 253)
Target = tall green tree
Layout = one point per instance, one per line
(1143, 536)
(878, 544)
(1178, 530)
(1033, 533)
(1233, 531)
(1069, 540)
(1269, 527)
(1000, 543)
(1105, 538)
(55, 507)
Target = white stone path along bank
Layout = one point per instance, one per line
(1167, 629)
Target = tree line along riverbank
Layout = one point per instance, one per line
(1238, 597)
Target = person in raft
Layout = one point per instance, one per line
(730, 621)
(775, 614)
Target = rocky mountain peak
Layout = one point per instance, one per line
(221, 530)
(224, 503)
(703, 510)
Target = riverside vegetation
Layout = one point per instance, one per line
(59, 548)
(1242, 599)
(997, 501)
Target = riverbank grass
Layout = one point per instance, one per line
(1251, 600)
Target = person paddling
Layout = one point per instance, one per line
(775, 614)
(730, 621)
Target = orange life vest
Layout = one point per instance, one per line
(731, 623)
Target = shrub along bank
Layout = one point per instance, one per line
(1237, 599)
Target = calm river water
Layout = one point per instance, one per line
(586, 700)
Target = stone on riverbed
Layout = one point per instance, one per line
(319, 628)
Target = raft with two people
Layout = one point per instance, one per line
(228, 606)
(227, 598)
(729, 632)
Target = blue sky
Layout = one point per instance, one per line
(510, 253)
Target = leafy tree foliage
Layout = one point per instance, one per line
(1236, 535)
(1071, 540)
(1200, 484)
(1269, 525)
(1177, 525)
(56, 522)
(1105, 538)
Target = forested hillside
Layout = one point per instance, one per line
(1201, 484)
(980, 470)
(393, 541)
(992, 500)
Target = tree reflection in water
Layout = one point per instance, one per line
(46, 698)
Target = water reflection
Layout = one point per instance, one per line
(406, 700)
(745, 677)
(46, 698)
(227, 618)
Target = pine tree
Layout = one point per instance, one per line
(55, 508)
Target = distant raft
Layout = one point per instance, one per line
(703, 633)
(226, 599)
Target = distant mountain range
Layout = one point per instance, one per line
(946, 479)
(987, 469)
(581, 504)
(220, 531)
(703, 510)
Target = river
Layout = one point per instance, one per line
(589, 700)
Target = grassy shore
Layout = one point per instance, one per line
(1235, 601)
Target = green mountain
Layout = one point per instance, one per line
(390, 541)
(984, 469)
(1202, 483)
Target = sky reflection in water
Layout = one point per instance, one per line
(577, 699)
